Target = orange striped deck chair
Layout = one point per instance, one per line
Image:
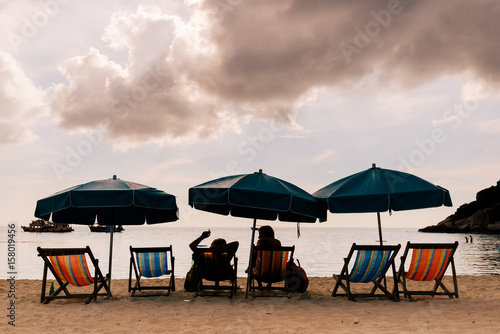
(217, 268)
(270, 267)
(371, 264)
(69, 267)
(151, 262)
(429, 262)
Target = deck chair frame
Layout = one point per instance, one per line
(203, 279)
(379, 283)
(100, 281)
(134, 266)
(253, 279)
(438, 281)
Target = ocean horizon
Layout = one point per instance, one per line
(320, 250)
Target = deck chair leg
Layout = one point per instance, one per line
(406, 293)
(455, 283)
(378, 285)
(346, 287)
(62, 287)
(44, 283)
(94, 294)
(350, 296)
(338, 284)
(383, 287)
(339, 279)
(436, 286)
(395, 291)
(130, 275)
(443, 287)
(172, 275)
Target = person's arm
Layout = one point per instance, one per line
(232, 247)
(193, 245)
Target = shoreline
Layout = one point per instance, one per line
(475, 311)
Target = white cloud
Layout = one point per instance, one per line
(325, 155)
(21, 101)
(490, 127)
(194, 78)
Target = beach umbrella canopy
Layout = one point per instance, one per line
(380, 190)
(256, 196)
(110, 202)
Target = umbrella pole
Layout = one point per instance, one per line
(381, 241)
(250, 260)
(380, 229)
(110, 254)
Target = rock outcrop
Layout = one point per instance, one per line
(479, 216)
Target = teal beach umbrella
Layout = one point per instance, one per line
(256, 196)
(110, 202)
(380, 190)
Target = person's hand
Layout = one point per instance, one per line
(205, 234)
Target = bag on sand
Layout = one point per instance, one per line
(296, 277)
(192, 280)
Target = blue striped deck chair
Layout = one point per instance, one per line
(151, 263)
(69, 267)
(428, 263)
(370, 266)
(216, 267)
(270, 267)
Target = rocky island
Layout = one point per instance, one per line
(479, 216)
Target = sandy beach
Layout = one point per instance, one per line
(475, 311)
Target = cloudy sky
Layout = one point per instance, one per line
(173, 93)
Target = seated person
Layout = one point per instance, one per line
(218, 246)
(266, 239)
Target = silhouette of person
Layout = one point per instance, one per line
(470, 237)
(266, 239)
(466, 240)
(217, 246)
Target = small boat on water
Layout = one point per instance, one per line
(105, 228)
(41, 225)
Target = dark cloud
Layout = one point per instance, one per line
(262, 59)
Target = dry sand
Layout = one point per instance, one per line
(476, 311)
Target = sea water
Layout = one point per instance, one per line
(320, 250)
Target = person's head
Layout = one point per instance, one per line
(218, 242)
(266, 231)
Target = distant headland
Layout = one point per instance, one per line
(479, 216)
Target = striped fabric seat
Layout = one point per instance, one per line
(369, 265)
(215, 267)
(151, 262)
(428, 264)
(72, 269)
(271, 265)
(154, 264)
